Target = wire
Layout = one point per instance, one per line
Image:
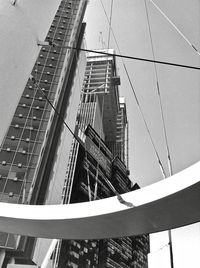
(110, 21)
(159, 93)
(146, 125)
(176, 28)
(159, 249)
(137, 101)
(120, 199)
(57, 113)
(134, 58)
(164, 128)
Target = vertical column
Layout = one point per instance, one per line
(2, 256)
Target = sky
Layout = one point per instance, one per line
(179, 91)
(178, 86)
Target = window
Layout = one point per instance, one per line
(11, 194)
(85, 250)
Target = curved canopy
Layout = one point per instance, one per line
(167, 204)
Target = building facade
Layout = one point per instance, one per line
(40, 163)
(29, 153)
(97, 168)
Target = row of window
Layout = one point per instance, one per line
(8, 240)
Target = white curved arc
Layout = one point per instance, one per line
(166, 204)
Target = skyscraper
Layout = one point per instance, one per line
(32, 150)
(34, 154)
(96, 168)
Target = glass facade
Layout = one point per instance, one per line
(97, 170)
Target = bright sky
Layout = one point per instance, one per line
(179, 89)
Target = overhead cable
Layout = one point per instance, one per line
(110, 23)
(146, 125)
(137, 101)
(163, 123)
(52, 106)
(133, 58)
(175, 27)
(120, 199)
(159, 93)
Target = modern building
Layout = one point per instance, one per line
(36, 144)
(40, 162)
(97, 167)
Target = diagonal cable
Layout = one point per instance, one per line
(164, 126)
(159, 93)
(175, 27)
(110, 23)
(134, 58)
(137, 101)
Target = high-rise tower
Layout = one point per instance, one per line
(36, 142)
(96, 168)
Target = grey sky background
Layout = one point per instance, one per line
(180, 96)
(179, 87)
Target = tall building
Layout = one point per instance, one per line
(119, 146)
(36, 163)
(97, 168)
(36, 142)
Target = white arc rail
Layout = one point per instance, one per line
(167, 204)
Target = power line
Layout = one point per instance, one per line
(158, 91)
(110, 22)
(176, 28)
(164, 126)
(134, 58)
(137, 101)
(55, 110)
(146, 125)
(120, 199)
